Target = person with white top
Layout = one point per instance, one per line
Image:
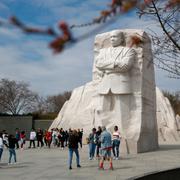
(55, 134)
(5, 137)
(1, 145)
(32, 138)
(116, 142)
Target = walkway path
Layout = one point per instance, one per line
(51, 164)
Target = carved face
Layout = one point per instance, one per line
(116, 38)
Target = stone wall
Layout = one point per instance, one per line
(42, 123)
(10, 123)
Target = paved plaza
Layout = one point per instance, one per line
(51, 164)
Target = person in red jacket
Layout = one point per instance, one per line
(48, 136)
(22, 139)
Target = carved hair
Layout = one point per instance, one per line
(103, 128)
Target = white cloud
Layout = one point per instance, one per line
(67, 10)
(51, 74)
(10, 33)
(31, 60)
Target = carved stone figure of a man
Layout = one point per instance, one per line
(115, 63)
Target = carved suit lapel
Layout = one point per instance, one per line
(115, 52)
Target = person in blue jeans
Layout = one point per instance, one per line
(73, 147)
(116, 142)
(92, 139)
(106, 146)
(11, 146)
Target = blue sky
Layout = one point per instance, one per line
(28, 58)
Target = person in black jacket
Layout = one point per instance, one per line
(39, 136)
(11, 146)
(73, 147)
(62, 139)
(99, 131)
(80, 134)
(66, 137)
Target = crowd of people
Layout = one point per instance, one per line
(10, 142)
(101, 143)
(56, 138)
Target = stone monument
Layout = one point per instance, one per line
(122, 92)
(168, 123)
